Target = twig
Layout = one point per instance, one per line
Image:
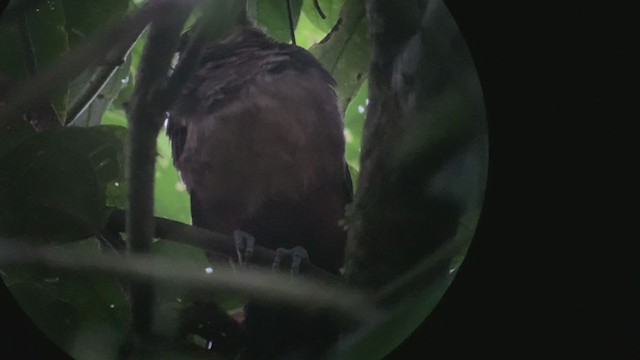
(302, 293)
(77, 61)
(218, 243)
(319, 9)
(292, 29)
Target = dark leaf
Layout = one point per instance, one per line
(83, 313)
(35, 41)
(86, 18)
(53, 183)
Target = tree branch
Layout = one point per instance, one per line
(302, 293)
(425, 117)
(210, 241)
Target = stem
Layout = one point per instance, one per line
(292, 29)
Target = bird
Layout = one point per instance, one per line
(257, 136)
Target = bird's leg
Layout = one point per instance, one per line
(245, 244)
(297, 254)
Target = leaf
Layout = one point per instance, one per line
(85, 314)
(170, 195)
(272, 16)
(345, 50)
(44, 30)
(53, 183)
(85, 19)
(330, 8)
(14, 134)
(353, 124)
(92, 114)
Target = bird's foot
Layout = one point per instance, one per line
(297, 255)
(245, 244)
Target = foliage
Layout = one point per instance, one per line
(55, 186)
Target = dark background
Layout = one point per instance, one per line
(552, 270)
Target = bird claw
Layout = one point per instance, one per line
(298, 254)
(245, 244)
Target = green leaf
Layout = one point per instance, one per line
(330, 8)
(84, 314)
(171, 196)
(53, 183)
(92, 115)
(345, 50)
(353, 125)
(272, 16)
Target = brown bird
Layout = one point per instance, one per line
(257, 137)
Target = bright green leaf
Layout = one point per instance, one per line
(345, 51)
(330, 8)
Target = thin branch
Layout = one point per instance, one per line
(303, 293)
(206, 240)
(292, 29)
(77, 61)
(319, 9)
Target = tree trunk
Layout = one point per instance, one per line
(423, 156)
